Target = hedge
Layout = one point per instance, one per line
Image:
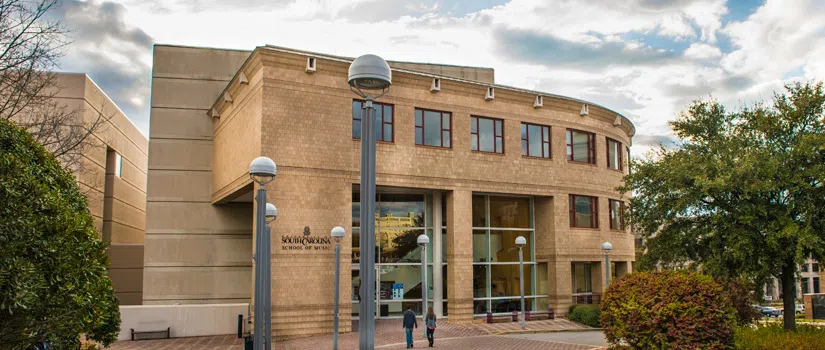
(769, 337)
(585, 314)
(668, 310)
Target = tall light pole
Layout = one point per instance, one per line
(368, 72)
(262, 170)
(271, 215)
(521, 242)
(606, 248)
(423, 241)
(337, 232)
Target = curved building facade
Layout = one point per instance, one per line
(468, 162)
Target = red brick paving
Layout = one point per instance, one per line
(388, 334)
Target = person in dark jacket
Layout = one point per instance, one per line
(409, 323)
(430, 322)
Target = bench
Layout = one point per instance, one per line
(502, 318)
(152, 334)
(550, 314)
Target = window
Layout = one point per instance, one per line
(383, 120)
(581, 146)
(432, 128)
(118, 164)
(497, 221)
(535, 140)
(805, 267)
(584, 211)
(614, 154)
(805, 289)
(582, 282)
(815, 267)
(486, 134)
(816, 285)
(616, 215)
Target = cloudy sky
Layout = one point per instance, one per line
(646, 59)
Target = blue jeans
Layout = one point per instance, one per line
(409, 336)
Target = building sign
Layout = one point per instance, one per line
(397, 291)
(306, 242)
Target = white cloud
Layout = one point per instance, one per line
(702, 51)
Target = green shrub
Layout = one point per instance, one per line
(773, 336)
(585, 314)
(668, 310)
(740, 293)
(53, 280)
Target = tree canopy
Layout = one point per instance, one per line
(742, 195)
(53, 279)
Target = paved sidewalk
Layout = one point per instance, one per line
(389, 334)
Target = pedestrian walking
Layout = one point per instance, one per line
(409, 323)
(430, 321)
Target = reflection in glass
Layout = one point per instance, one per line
(480, 253)
(581, 278)
(479, 281)
(486, 142)
(510, 305)
(509, 212)
(480, 306)
(503, 246)
(407, 277)
(399, 245)
(479, 211)
(505, 280)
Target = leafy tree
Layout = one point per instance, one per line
(53, 280)
(744, 193)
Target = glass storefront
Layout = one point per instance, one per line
(497, 221)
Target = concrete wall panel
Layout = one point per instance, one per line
(199, 250)
(170, 154)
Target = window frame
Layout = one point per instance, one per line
(441, 122)
(621, 214)
(381, 127)
(118, 164)
(619, 151)
(474, 119)
(594, 209)
(591, 146)
(549, 141)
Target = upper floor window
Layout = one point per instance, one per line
(616, 215)
(805, 267)
(815, 267)
(118, 164)
(383, 120)
(486, 134)
(584, 211)
(433, 128)
(535, 140)
(614, 154)
(581, 146)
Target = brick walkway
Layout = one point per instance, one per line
(388, 334)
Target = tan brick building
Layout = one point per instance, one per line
(113, 177)
(472, 164)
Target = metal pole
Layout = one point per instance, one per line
(267, 259)
(607, 270)
(521, 281)
(337, 282)
(424, 287)
(366, 319)
(260, 219)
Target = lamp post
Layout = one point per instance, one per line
(521, 242)
(337, 232)
(606, 248)
(262, 170)
(423, 241)
(368, 72)
(271, 215)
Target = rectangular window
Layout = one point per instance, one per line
(384, 119)
(433, 128)
(118, 164)
(486, 134)
(816, 286)
(805, 289)
(616, 215)
(805, 267)
(584, 211)
(815, 267)
(581, 146)
(582, 282)
(614, 154)
(535, 140)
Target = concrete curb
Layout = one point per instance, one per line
(534, 331)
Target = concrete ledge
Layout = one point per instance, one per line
(185, 320)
